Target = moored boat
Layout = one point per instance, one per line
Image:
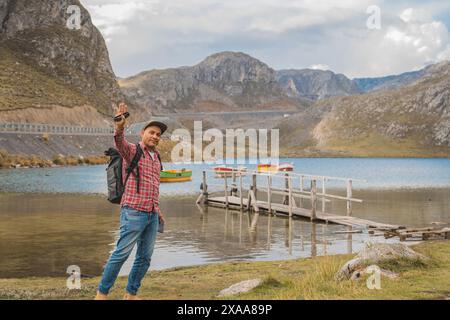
(267, 167)
(284, 167)
(176, 175)
(222, 171)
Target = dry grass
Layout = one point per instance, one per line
(23, 85)
(9, 161)
(311, 278)
(371, 145)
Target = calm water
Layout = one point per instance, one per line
(379, 174)
(53, 218)
(42, 234)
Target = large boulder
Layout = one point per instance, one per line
(379, 253)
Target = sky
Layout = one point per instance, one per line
(359, 38)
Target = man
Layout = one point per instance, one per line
(140, 214)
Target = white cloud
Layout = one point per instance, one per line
(417, 38)
(444, 54)
(146, 34)
(415, 14)
(112, 18)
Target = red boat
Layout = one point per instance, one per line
(285, 167)
(222, 171)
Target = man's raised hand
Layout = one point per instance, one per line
(119, 111)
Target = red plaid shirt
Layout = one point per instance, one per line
(149, 172)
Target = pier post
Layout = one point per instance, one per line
(301, 190)
(323, 192)
(225, 179)
(313, 199)
(240, 191)
(205, 186)
(286, 187)
(290, 196)
(203, 198)
(349, 196)
(269, 193)
(254, 186)
(233, 184)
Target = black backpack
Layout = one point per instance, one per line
(114, 174)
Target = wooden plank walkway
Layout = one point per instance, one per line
(247, 199)
(296, 211)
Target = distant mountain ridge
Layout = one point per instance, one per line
(315, 84)
(226, 81)
(235, 80)
(388, 82)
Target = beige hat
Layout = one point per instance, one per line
(158, 124)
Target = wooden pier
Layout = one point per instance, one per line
(234, 193)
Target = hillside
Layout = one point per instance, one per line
(413, 120)
(389, 82)
(46, 66)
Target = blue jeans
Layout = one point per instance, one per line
(135, 227)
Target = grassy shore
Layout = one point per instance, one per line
(311, 278)
(8, 160)
(26, 161)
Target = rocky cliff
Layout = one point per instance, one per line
(315, 84)
(46, 65)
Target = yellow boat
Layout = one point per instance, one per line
(267, 167)
(176, 175)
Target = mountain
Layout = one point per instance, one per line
(46, 69)
(225, 81)
(315, 84)
(388, 82)
(411, 120)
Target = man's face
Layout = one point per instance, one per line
(151, 136)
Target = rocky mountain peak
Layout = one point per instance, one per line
(315, 84)
(233, 67)
(36, 32)
(442, 68)
(225, 81)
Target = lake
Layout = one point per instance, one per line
(379, 174)
(55, 217)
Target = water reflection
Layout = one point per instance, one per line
(290, 235)
(42, 234)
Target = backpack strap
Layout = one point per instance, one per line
(134, 165)
(159, 158)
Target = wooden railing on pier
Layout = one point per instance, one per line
(239, 195)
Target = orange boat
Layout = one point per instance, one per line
(267, 167)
